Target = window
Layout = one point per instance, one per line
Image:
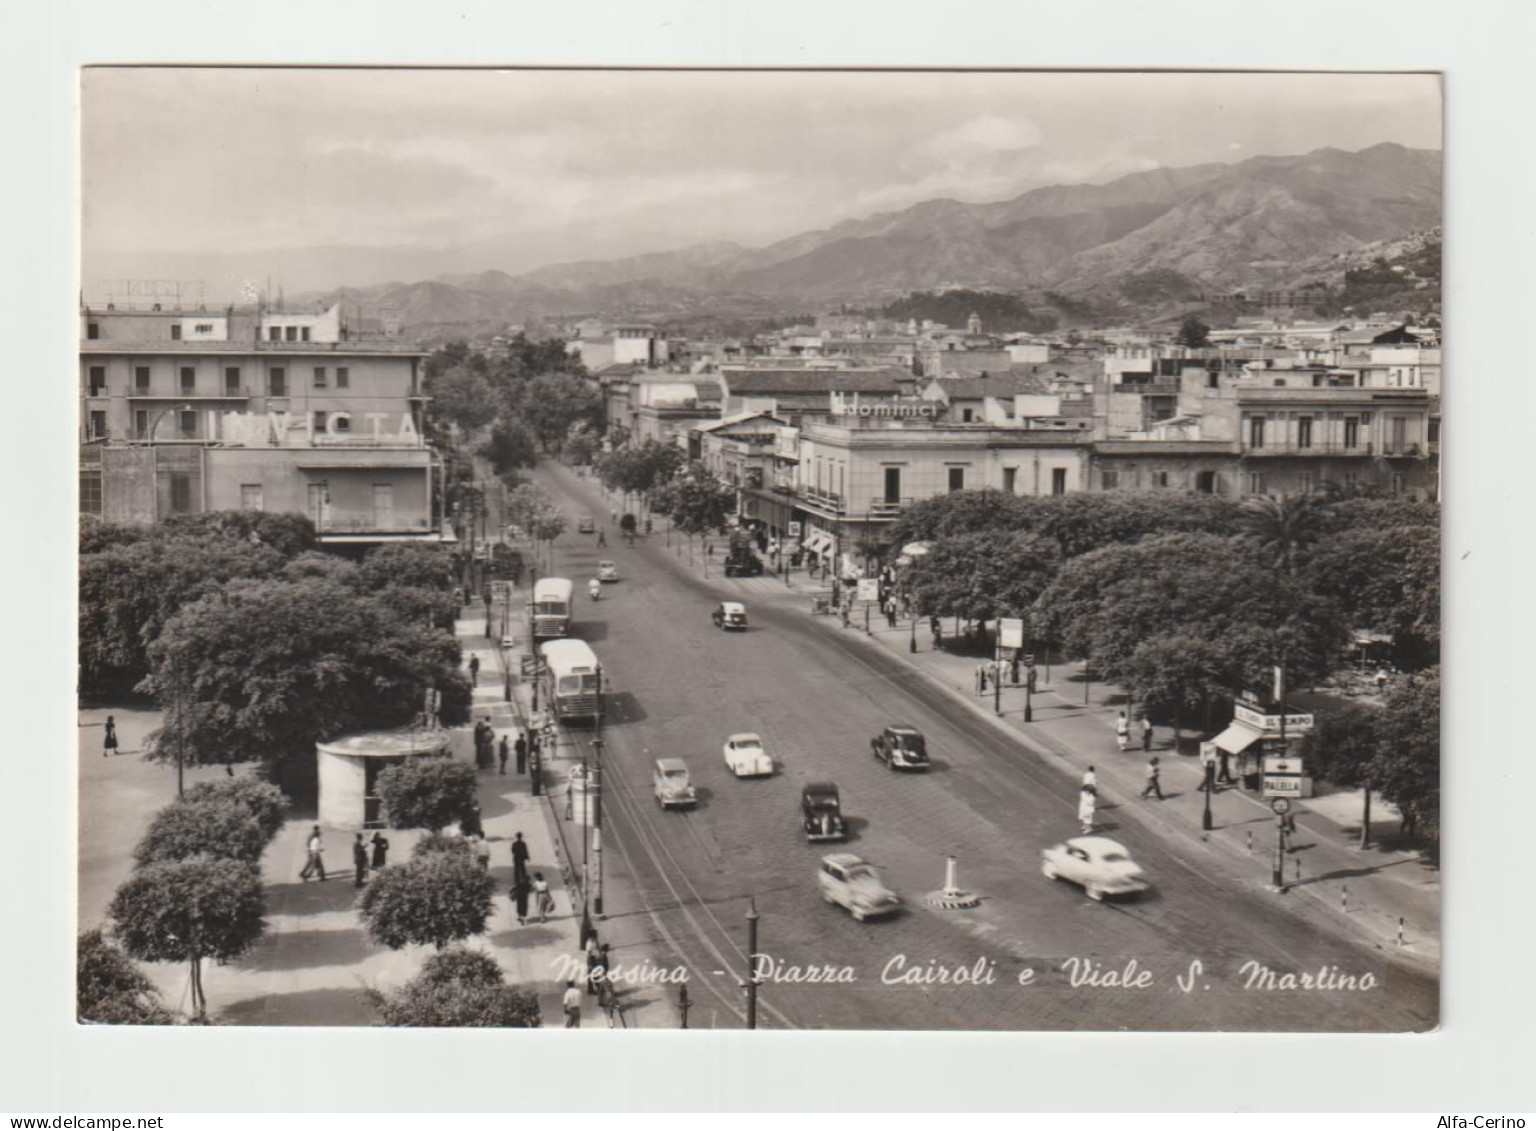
(1010, 479)
(320, 423)
(1434, 431)
(343, 377)
(1351, 480)
(92, 330)
(957, 479)
(1307, 482)
(188, 425)
(1109, 480)
(304, 333)
(1058, 481)
(1256, 432)
(291, 333)
(277, 382)
(1304, 432)
(90, 492)
(893, 484)
(188, 379)
(344, 424)
(1255, 484)
(1397, 486)
(181, 494)
(1205, 482)
(319, 376)
(175, 331)
(1159, 479)
(98, 425)
(1351, 431)
(967, 416)
(232, 380)
(98, 380)
(274, 333)
(1399, 434)
(141, 424)
(141, 378)
(203, 328)
(250, 497)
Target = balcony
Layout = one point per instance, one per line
(335, 521)
(1331, 451)
(142, 393)
(1403, 451)
(825, 501)
(887, 509)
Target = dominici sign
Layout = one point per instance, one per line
(852, 406)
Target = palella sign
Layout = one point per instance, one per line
(852, 406)
(276, 429)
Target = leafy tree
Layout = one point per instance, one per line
(551, 403)
(1193, 333)
(458, 988)
(581, 445)
(110, 990)
(319, 565)
(998, 311)
(265, 669)
(266, 803)
(512, 445)
(189, 910)
(439, 898)
(1385, 580)
(212, 826)
(411, 564)
(982, 576)
(1174, 672)
(441, 842)
(962, 512)
(427, 793)
(463, 395)
(699, 502)
(1406, 769)
(1282, 527)
(1346, 743)
(287, 532)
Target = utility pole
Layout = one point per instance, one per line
(752, 963)
(596, 786)
(1210, 788)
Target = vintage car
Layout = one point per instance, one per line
(585, 525)
(607, 571)
(746, 758)
(901, 747)
(821, 813)
(730, 614)
(849, 882)
(1102, 866)
(671, 785)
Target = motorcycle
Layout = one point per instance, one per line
(595, 589)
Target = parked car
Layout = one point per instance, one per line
(746, 758)
(730, 614)
(1102, 866)
(671, 785)
(821, 813)
(851, 883)
(586, 525)
(901, 747)
(607, 571)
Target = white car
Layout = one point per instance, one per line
(670, 784)
(1102, 866)
(849, 882)
(607, 571)
(746, 758)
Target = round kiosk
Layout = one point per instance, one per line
(349, 769)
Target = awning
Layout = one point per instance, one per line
(1236, 738)
(818, 543)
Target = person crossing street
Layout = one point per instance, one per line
(1154, 779)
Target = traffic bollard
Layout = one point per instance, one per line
(1344, 898)
(1399, 930)
(1250, 842)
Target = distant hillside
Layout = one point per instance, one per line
(1148, 239)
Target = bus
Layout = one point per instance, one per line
(550, 613)
(573, 680)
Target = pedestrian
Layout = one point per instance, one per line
(546, 899)
(519, 858)
(1085, 805)
(1017, 664)
(520, 747)
(474, 670)
(109, 740)
(503, 752)
(602, 538)
(1123, 740)
(846, 607)
(470, 824)
(482, 850)
(1123, 725)
(380, 851)
(1090, 779)
(1146, 732)
(359, 861)
(315, 862)
(520, 890)
(1224, 776)
(594, 956)
(572, 1003)
(1154, 783)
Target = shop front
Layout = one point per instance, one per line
(1266, 747)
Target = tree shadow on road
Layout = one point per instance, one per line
(349, 1007)
(304, 950)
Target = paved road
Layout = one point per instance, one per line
(817, 693)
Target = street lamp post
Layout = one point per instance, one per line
(1210, 788)
(912, 641)
(1029, 694)
(752, 963)
(596, 786)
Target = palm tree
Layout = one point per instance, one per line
(1282, 527)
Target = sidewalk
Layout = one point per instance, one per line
(1370, 892)
(536, 956)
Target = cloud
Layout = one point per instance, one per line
(982, 138)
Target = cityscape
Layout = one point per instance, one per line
(1006, 599)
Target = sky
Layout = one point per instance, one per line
(320, 178)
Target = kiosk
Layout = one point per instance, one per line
(349, 769)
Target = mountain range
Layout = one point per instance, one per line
(1260, 222)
